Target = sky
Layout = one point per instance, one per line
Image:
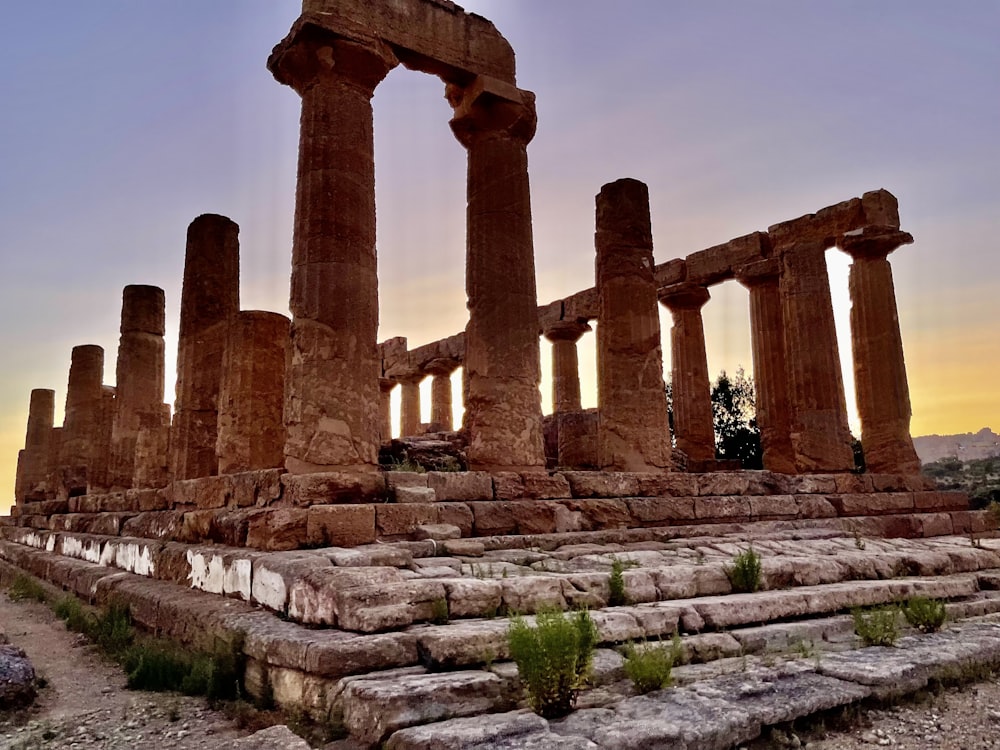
(121, 121)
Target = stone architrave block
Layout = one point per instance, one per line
(325, 488)
(603, 483)
(661, 511)
(340, 525)
(461, 485)
(728, 508)
(368, 609)
(401, 519)
(278, 529)
(415, 495)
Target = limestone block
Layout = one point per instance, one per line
(463, 644)
(496, 518)
(723, 483)
(461, 485)
(437, 531)
(816, 484)
(530, 594)
(774, 506)
(872, 504)
(144, 500)
(464, 547)
(397, 479)
(542, 486)
(260, 488)
(312, 597)
(203, 493)
(662, 510)
(815, 506)
(415, 495)
(278, 529)
(456, 514)
(729, 508)
(339, 654)
(340, 525)
(508, 485)
(402, 519)
(599, 513)
(520, 729)
(473, 597)
(936, 524)
(154, 525)
(275, 574)
(333, 487)
(667, 485)
(393, 605)
(603, 483)
(940, 501)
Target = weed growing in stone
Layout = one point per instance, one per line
(878, 626)
(649, 666)
(553, 658)
(406, 465)
(25, 587)
(926, 615)
(439, 611)
(616, 583)
(744, 573)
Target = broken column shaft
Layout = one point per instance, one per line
(84, 394)
(32, 479)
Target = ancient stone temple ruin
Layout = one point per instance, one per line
(276, 487)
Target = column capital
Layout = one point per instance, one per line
(490, 108)
(683, 296)
(385, 385)
(310, 55)
(758, 273)
(441, 366)
(873, 241)
(566, 330)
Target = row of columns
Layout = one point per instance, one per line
(410, 423)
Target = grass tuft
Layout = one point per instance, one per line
(926, 615)
(649, 666)
(878, 626)
(744, 573)
(24, 588)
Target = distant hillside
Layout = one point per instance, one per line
(967, 447)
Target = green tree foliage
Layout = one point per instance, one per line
(734, 416)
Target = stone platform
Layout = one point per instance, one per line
(400, 637)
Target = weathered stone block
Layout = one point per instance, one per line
(401, 519)
(461, 485)
(387, 606)
(397, 479)
(600, 513)
(255, 488)
(542, 486)
(312, 597)
(508, 485)
(774, 506)
(667, 484)
(529, 594)
(722, 483)
(456, 514)
(145, 500)
(278, 529)
(471, 597)
(940, 501)
(415, 495)
(729, 508)
(496, 518)
(333, 487)
(817, 484)
(662, 510)
(154, 525)
(815, 506)
(340, 525)
(603, 483)
(437, 531)
(875, 503)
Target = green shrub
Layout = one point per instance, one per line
(112, 629)
(69, 610)
(439, 611)
(649, 667)
(25, 587)
(553, 658)
(744, 573)
(926, 615)
(616, 584)
(878, 626)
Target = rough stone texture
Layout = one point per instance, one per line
(99, 475)
(879, 370)
(152, 449)
(277, 737)
(441, 401)
(32, 477)
(503, 410)
(821, 439)
(139, 377)
(340, 525)
(332, 487)
(209, 302)
(332, 393)
(692, 391)
(17, 676)
(84, 395)
(633, 434)
(577, 439)
(565, 364)
(251, 430)
(409, 407)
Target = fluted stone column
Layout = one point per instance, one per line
(385, 386)
(503, 408)
(210, 299)
(692, 389)
(633, 433)
(53, 465)
(332, 391)
(883, 393)
(32, 479)
(409, 406)
(251, 425)
(152, 443)
(99, 477)
(441, 402)
(139, 375)
(565, 364)
(767, 336)
(821, 438)
(84, 394)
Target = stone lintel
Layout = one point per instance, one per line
(672, 272)
(488, 106)
(825, 226)
(717, 263)
(752, 274)
(441, 366)
(873, 241)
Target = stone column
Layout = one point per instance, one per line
(768, 342)
(32, 478)
(633, 432)
(385, 386)
(441, 402)
(879, 369)
(692, 389)
(409, 406)
(503, 407)
(821, 438)
(251, 427)
(332, 392)
(99, 477)
(152, 448)
(139, 375)
(84, 394)
(53, 475)
(210, 298)
(565, 365)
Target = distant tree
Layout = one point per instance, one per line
(860, 466)
(734, 416)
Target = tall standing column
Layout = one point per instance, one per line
(692, 389)
(879, 369)
(32, 478)
(768, 342)
(332, 391)
(409, 406)
(84, 394)
(210, 299)
(821, 438)
(385, 386)
(99, 476)
(139, 375)
(441, 402)
(503, 407)
(565, 364)
(632, 433)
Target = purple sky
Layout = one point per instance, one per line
(122, 121)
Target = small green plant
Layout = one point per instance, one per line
(926, 615)
(616, 582)
(112, 629)
(878, 626)
(553, 658)
(25, 587)
(805, 649)
(744, 573)
(649, 666)
(406, 464)
(439, 611)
